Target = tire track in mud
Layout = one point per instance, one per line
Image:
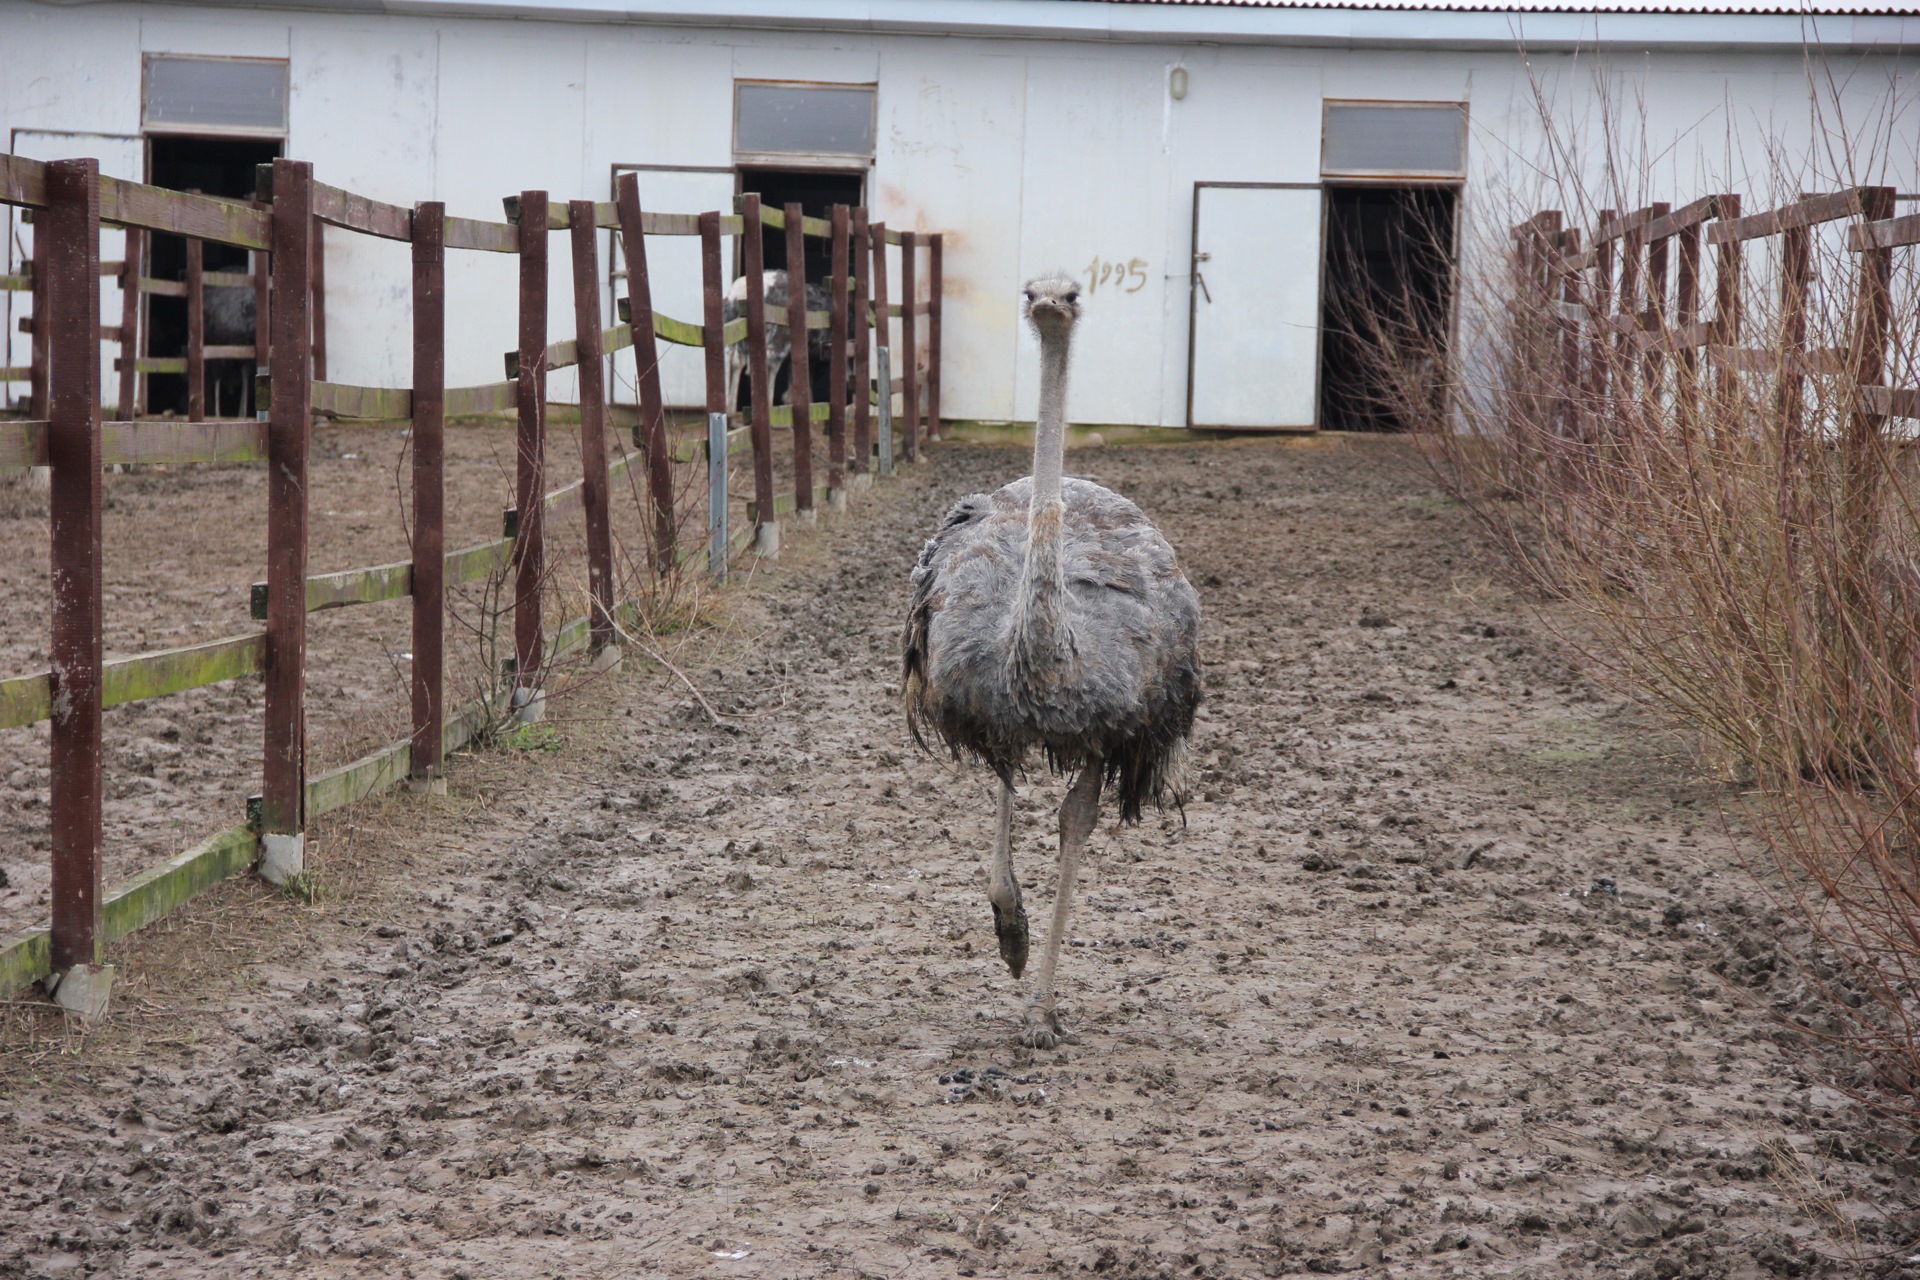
(1416, 988)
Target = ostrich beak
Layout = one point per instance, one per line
(1011, 928)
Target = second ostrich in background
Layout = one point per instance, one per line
(1051, 617)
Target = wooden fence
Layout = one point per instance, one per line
(71, 201)
(134, 365)
(1629, 299)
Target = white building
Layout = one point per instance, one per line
(1036, 133)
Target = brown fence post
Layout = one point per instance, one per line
(584, 232)
(67, 261)
(530, 476)
(766, 540)
(936, 286)
(1726, 301)
(652, 428)
(1603, 288)
(862, 351)
(429, 485)
(1573, 294)
(196, 333)
(1867, 363)
(837, 307)
(1658, 255)
(1796, 278)
(714, 343)
(1627, 305)
(319, 301)
(799, 365)
(129, 380)
(283, 811)
(1686, 313)
(883, 335)
(910, 339)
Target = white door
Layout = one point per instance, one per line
(120, 156)
(673, 275)
(1254, 359)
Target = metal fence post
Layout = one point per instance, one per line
(837, 308)
(66, 269)
(717, 496)
(283, 813)
(713, 341)
(530, 480)
(429, 486)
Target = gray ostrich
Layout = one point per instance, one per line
(1051, 616)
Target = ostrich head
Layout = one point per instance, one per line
(1052, 303)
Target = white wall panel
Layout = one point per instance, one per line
(242, 35)
(388, 72)
(950, 161)
(1093, 184)
(503, 130)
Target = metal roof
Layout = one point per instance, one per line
(1810, 8)
(1717, 26)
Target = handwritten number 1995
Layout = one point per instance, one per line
(1128, 277)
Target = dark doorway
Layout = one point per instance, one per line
(215, 167)
(816, 192)
(1389, 272)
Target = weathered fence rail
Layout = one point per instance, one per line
(1626, 308)
(66, 433)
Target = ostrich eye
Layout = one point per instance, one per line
(1073, 295)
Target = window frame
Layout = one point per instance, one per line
(1395, 177)
(846, 161)
(201, 128)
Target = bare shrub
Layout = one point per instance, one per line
(1670, 434)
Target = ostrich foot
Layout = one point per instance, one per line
(1010, 926)
(1044, 1029)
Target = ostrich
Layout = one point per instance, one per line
(1052, 616)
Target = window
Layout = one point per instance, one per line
(773, 119)
(1394, 140)
(215, 95)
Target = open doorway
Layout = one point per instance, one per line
(816, 191)
(215, 166)
(1390, 259)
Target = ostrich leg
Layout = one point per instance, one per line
(1078, 813)
(1003, 890)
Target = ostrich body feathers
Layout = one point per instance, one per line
(1104, 669)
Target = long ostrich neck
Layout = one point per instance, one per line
(1050, 431)
(1041, 623)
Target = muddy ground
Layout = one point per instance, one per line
(1428, 982)
(183, 546)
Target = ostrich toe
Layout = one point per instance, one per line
(1044, 1029)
